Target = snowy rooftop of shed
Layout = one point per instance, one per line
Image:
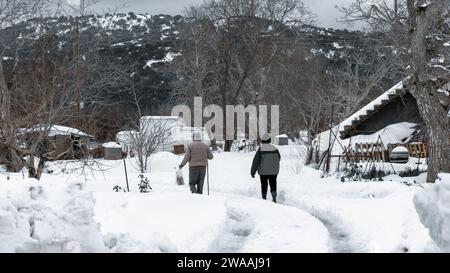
(111, 145)
(162, 117)
(56, 130)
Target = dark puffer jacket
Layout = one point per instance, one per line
(266, 160)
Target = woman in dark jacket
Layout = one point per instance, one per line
(267, 163)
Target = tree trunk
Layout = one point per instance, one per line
(227, 146)
(436, 121)
(40, 169)
(422, 19)
(14, 162)
(31, 168)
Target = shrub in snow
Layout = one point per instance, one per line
(357, 172)
(409, 172)
(118, 188)
(144, 184)
(374, 174)
(433, 207)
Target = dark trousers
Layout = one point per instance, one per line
(196, 179)
(268, 180)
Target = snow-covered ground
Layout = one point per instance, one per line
(67, 211)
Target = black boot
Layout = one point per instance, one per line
(274, 196)
(264, 195)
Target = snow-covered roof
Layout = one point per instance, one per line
(400, 149)
(397, 133)
(174, 118)
(160, 117)
(361, 114)
(112, 145)
(55, 130)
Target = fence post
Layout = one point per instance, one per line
(126, 174)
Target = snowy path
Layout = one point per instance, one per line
(313, 214)
(340, 236)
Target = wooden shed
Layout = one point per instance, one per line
(56, 142)
(112, 151)
(394, 106)
(282, 140)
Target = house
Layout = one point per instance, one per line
(392, 119)
(396, 105)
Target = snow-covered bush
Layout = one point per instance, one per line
(433, 207)
(410, 172)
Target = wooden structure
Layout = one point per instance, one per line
(378, 152)
(282, 140)
(370, 151)
(112, 151)
(394, 106)
(56, 142)
(178, 149)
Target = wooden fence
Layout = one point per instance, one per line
(373, 151)
(377, 151)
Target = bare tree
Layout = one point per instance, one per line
(427, 21)
(232, 47)
(37, 90)
(81, 7)
(11, 13)
(152, 134)
(361, 75)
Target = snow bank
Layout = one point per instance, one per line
(360, 216)
(47, 218)
(433, 207)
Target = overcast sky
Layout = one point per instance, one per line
(324, 9)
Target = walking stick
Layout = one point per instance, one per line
(207, 176)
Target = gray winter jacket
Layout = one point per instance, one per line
(266, 160)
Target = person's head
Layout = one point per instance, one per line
(197, 136)
(265, 138)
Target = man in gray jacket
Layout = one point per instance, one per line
(267, 163)
(197, 155)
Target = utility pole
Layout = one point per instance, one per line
(76, 53)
